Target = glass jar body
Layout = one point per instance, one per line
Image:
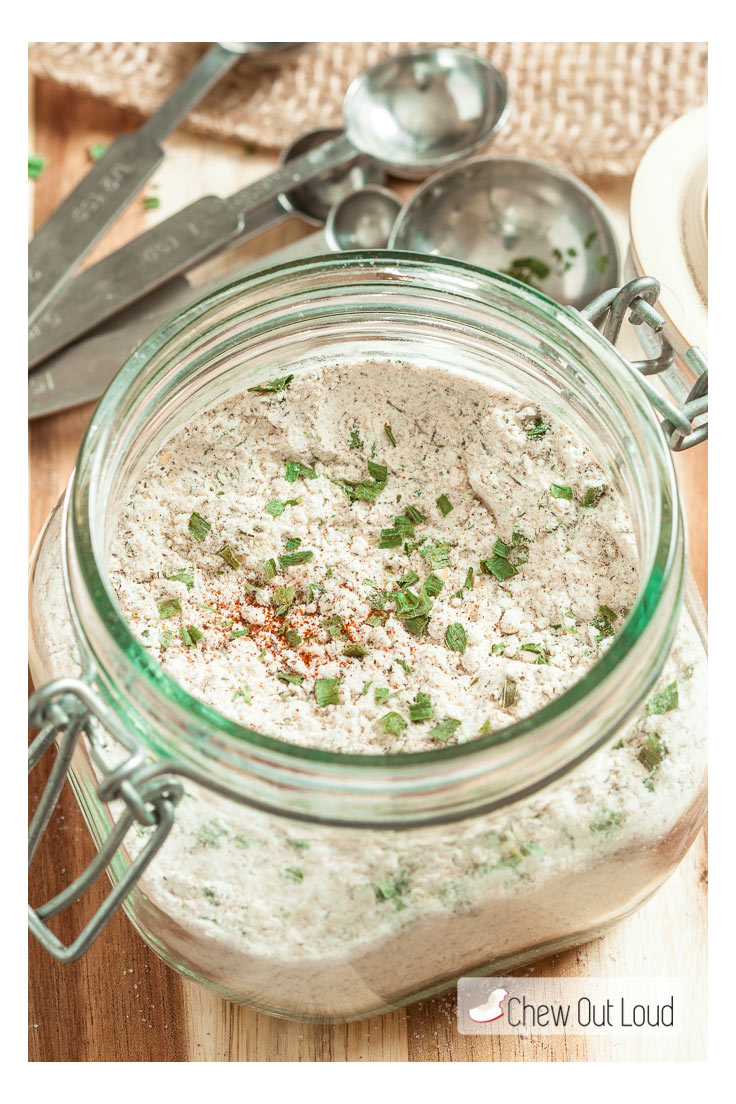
(335, 921)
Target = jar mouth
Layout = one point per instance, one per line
(567, 336)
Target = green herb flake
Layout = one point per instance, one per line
(509, 694)
(393, 723)
(355, 651)
(165, 639)
(498, 566)
(275, 507)
(382, 694)
(229, 557)
(199, 527)
(665, 701)
(445, 729)
(97, 152)
(390, 538)
(270, 569)
(539, 429)
(378, 471)
(184, 575)
(593, 495)
(169, 607)
(294, 559)
(498, 649)
(327, 692)
(335, 627)
(191, 635)
(390, 434)
(436, 554)
(456, 638)
(292, 543)
(604, 623)
(35, 166)
(283, 598)
(432, 585)
(606, 820)
(408, 580)
(538, 651)
(415, 515)
(293, 874)
(150, 203)
(601, 263)
(278, 384)
(355, 441)
(652, 753)
(404, 525)
(589, 239)
(421, 708)
(295, 469)
(284, 676)
(291, 637)
(444, 505)
(559, 490)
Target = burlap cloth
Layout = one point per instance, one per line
(590, 107)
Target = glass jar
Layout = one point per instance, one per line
(329, 886)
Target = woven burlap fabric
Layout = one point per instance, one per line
(592, 108)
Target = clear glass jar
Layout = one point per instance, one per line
(329, 886)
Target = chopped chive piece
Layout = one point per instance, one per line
(404, 525)
(165, 639)
(498, 649)
(538, 651)
(377, 617)
(190, 635)
(294, 469)
(406, 666)
(421, 708)
(501, 549)
(97, 151)
(335, 627)
(239, 632)
(432, 585)
(593, 495)
(229, 557)
(390, 538)
(378, 471)
(184, 575)
(456, 638)
(653, 752)
(415, 515)
(589, 239)
(327, 692)
(601, 263)
(35, 166)
(314, 590)
(294, 874)
(485, 728)
(606, 820)
(445, 729)
(355, 441)
(293, 559)
(355, 651)
(169, 607)
(270, 569)
(283, 597)
(243, 692)
(509, 694)
(417, 626)
(538, 430)
(390, 434)
(150, 203)
(292, 637)
(278, 384)
(381, 694)
(286, 677)
(409, 604)
(559, 490)
(275, 507)
(665, 700)
(604, 623)
(292, 543)
(436, 554)
(498, 566)
(408, 580)
(393, 723)
(366, 688)
(444, 505)
(199, 527)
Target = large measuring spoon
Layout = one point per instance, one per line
(413, 113)
(519, 217)
(361, 220)
(67, 237)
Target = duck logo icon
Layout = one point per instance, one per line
(492, 1009)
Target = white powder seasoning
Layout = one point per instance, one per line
(375, 558)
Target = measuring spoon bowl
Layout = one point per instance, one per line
(517, 216)
(312, 201)
(362, 220)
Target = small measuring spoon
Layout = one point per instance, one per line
(413, 113)
(520, 217)
(69, 234)
(362, 220)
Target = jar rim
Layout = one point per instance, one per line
(482, 286)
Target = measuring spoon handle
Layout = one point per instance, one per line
(76, 226)
(173, 246)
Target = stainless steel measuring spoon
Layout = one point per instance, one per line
(360, 220)
(76, 226)
(520, 217)
(412, 113)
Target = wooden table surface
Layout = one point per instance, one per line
(120, 1002)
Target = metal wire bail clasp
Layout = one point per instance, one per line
(638, 297)
(64, 710)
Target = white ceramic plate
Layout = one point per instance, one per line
(669, 227)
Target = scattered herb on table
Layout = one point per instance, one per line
(150, 203)
(35, 166)
(97, 152)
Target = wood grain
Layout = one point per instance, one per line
(120, 1002)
